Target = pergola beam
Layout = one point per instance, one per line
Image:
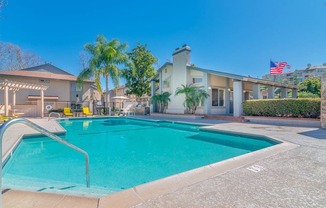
(15, 86)
(22, 85)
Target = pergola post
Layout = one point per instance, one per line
(284, 92)
(271, 90)
(294, 93)
(256, 91)
(6, 100)
(42, 103)
(13, 97)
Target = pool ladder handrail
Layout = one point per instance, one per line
(54, 113)
(40, 129)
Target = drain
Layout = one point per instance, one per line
(255, 168)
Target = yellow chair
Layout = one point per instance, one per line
(86, 111)
(67, 111)
(5, 118)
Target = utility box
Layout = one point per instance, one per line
(147, 111)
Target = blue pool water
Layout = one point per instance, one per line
(123, 153)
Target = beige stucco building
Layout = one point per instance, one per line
(120, 92)
(62, 91)
(227, 91)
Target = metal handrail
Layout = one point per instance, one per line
(40, 129)
(54, 113)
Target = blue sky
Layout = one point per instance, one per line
(234, 36)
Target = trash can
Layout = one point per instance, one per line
(147, 111)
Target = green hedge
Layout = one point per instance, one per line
(301, 107)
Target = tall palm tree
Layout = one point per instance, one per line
(194, 96)
(106, 56)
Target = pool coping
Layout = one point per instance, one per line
(153, 189)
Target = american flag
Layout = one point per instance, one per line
(277, 68)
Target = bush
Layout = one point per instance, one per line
(308, 95)
(302, 107)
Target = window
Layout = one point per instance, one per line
(44, 80)
(197, 80)
(167, 83)
(76, 87)
(218, 97)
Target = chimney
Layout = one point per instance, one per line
(182, 55)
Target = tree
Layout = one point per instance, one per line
(310, 86)
(106, 57)
(162, 100)
(12, 57)
(194, 96)
(140, 71)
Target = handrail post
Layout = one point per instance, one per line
(54, 113)
(45, 132)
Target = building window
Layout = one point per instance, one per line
(76, 87)
(197, 80)
(218, 97)
(44, 80)
(167, 84)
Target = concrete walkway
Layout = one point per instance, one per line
(292, 178)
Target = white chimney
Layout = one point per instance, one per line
(181, 59)
(182, 55)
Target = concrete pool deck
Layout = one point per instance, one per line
(292, 175)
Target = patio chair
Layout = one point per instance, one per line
(127, 111)
(86, 111)
(67, 112)
(5, 118)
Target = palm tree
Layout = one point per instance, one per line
(194, 96)
(105, 59)
(162, 100)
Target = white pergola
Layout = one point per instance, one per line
(14, 86)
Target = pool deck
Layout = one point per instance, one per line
(291, 174)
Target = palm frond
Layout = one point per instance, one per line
(86, 73)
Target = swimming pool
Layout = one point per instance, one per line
(123, 153)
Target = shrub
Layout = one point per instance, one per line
(302, 107)
(307, 95)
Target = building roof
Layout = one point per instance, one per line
(235, 76)
(47, 68)
(45, 71)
